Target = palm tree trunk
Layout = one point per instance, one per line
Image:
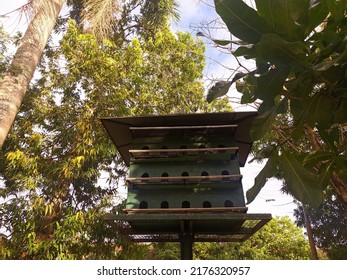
(17, 79)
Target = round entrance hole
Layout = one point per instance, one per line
(228, 203)
(143, 204)
(185, 204)
(164, 204)
(206, 204)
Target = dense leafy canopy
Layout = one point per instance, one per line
(329, 225)
(299, 49)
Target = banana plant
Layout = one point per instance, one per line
(300, 51)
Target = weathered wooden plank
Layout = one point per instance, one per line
(190, 210)
(183, 178)
(190, 215)
(187, 150)
(182, 127)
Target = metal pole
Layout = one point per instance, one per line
(186, 241)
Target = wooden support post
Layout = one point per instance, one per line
(186, 241)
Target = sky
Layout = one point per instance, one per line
(194, 13)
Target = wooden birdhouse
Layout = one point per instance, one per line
(184, 180)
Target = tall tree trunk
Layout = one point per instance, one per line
(314, 255)
(17, 79)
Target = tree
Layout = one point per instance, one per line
(15, 82)
(279, 239)
(329, 225)
(98, 16)
(299, 49)
(57, 150)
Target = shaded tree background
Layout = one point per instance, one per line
(329, 225)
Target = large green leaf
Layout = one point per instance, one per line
(262, 123)
(341, 161)
(299, 90)
(267, 10)
(332, 61)
(276, 50)
(333, 74)
(241, 20)
(326, 171)
(247, 87)
(317, 12)
(247, 94)
(330, 138)
(316, 157)
(319, 109)
(220, 42)
(280, 103)
(283, 16)
(337, 8)
(340, 114)
(248, 52)
(341, 167)
(271, 84)
(343, 174)
(264, 153)
(303, 185)
(221, 88)
(267, 172)
(325, 162)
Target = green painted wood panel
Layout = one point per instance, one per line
(172, 168)
(212, 193)
(196, 196)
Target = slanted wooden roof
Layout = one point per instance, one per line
(123, 130)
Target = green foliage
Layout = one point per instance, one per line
(60, 170)
(267, 172)
(241, 20)
(302, 184)
(5, 43)
(279, 239)
(157, 13)
(299, 48)
(329, 225)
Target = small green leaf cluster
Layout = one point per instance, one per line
(7, 41)
(299, 49)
